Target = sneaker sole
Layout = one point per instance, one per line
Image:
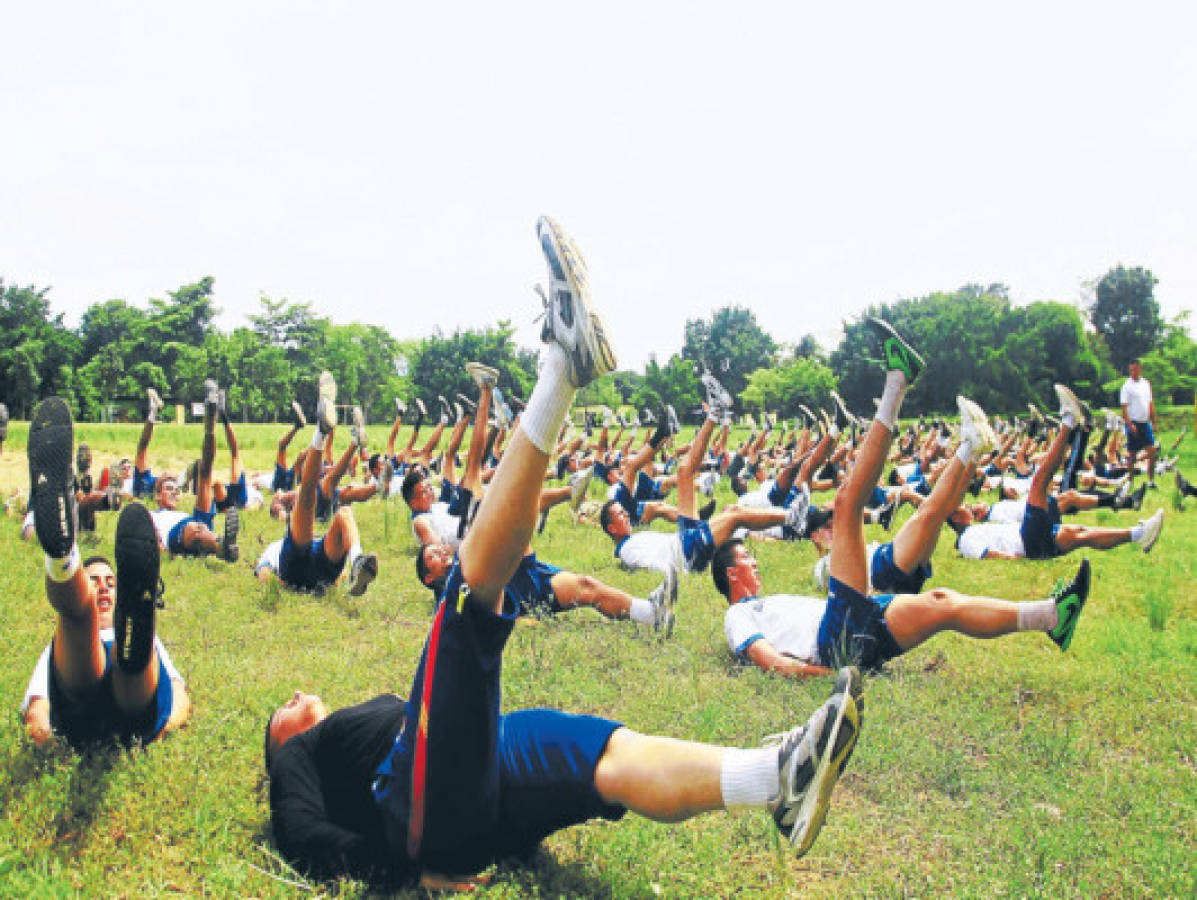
(51, 444)
(1081, 588)
(232, 527)
(898, 353)
(137, 557)
(594, 356)
(815, 804)
(367, 574)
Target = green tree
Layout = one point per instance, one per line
(674, 383)
(731, 344)
(781, 388)
(36, 349)
(1125, 312)
(439, 366)
(1172, 367)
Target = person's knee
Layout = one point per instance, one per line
(940, 603)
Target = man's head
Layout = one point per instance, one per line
(734, 571)
(960, 519)
(738, 485)
(417, 492)
(294, 717)
(375, 464)
(613, 519)
(1136, 369)
(167, 492)
(433, 562)
(103, 583)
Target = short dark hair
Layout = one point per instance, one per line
(268, 744)
(724, 559)
(738, 485)
(413, 478)
(605, 514)
(437, 585)
(1134, 362)
(97, 558)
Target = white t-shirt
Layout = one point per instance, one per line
(444, 525)
(164, 521)
(789, 623)
(270, 557)
(1000, 536)
(1137, 397)
(653, 550)
(39, 683)
(263, 481)
(757, 499)
(1007, 511)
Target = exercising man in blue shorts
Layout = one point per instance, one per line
(444, 785)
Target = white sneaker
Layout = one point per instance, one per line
(484, 376)
(155, 404)
(664, 599)
(578, 483)
(359, 426)
(671, 413)
(799, 509)
(326, 403)
(975, 427)
(502, 416)
(570, 321)
(1070, 405)
(400, 406)
(1151, 530)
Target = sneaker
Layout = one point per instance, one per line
(138, 587)
(664, 599)
(809, 415)
(810, 761)
(388, 475)
(229, 550)
(1151, 530)
(297, 416)
(705, 513)
(421, 409)
(608, 417)
(458, 412)
(1070, 405)
(848, 418)
(1136, 499)
(326, 403)
(885, 515)
(899, 355)
(569, 319)
(82, 459)
(671, 415)
(647, 417)
(713, 389)
(975, 427)
(579, 482)
(798, 510)
(359, 427)
(467, 403)
(51, 479)
(211, 396)
(400, 407)
(1036, 415)
(1182, 484)
(222, 406)
(1122, 496)
(499, 408)
(363, 571)
(444, 408)
(1070, 599)
(154, 404)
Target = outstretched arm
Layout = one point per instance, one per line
(766, 656)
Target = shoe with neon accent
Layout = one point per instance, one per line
(810, 761)
(570, 319)
(1151, 530)
(899, 355)
(51, 478)
(1070, 599)
(364, 571)
(326, 403)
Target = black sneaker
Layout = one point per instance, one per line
(51, 479)
(885, 515)
(228, 542)
(1070, 599)
(898, 354)
(1136, 499)
(365, 570)
(138, 587)
(707, 511)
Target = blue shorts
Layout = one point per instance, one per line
(778, 498)
(235, 494)
(1141, 439)
(448, 489)
(143, 482)
(878, 498)
(698, 545)
(532, 585)
(94, 717)
(887, 578)
(307, 568)
(853, 629)
(324, 505)
(284, 479)
(1038, 531)
(624, 498)
(647, 488)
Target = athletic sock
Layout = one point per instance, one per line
(965, 452)
(60, 569)
(550, 400)
(354, 552)
(642, 611)
(891, 398)
(1136, 532)
(1038, 615)
(748, 779)
(318, 440)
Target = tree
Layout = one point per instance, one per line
(674, 383)
(439, 366)
(781, 388)
(36, 349)
(732, 344)
(1125, 312)
(1172, 367)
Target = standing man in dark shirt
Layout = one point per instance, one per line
(455, 785)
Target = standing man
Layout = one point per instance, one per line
(1138, 413)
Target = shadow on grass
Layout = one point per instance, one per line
(85, 793)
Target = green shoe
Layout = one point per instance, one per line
(898, 354)
(1070, 599)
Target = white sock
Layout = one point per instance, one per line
(318, 439)
(64, 568)
(964, 452)
(1038, 615)
(891, 398)
(550, 400)
(748, 779)
(1068, 420)
(1137, 532)
(354, 552)
(642, 611)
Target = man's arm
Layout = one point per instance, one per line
(765, 655)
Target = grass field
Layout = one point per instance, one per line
(984, 769)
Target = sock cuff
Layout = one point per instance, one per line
(60, 569)
(748, 778)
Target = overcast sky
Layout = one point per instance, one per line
(387, 161)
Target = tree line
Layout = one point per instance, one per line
(976, 342)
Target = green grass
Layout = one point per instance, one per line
(984, 769)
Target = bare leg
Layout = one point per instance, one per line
(330, 481)
(303, 514)
(1041, 482)
(583, 590)
(663, 779)
(141, 457)
(728, 519)
(1070, 537)
(78, 653)
(231, 439)
(915, 541)
(849, 565)
(913, 618)
(341, 536)
(550, 497)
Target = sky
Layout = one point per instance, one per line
(387, 161)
